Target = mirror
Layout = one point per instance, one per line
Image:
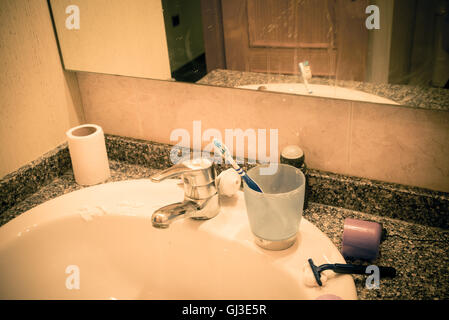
(383, 51)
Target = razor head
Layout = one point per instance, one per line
(316, 273)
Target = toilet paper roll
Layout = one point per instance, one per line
(361, 239)
(88, 154)
(228, 182)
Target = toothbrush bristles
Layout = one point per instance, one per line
(221, 147)
(225, 154)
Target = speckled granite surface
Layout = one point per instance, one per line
(412, 96)
(17, 185)
(386, 199)
(417, 251)
(391, 200)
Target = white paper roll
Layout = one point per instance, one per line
(88, 153)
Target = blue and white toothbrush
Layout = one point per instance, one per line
(227, 156)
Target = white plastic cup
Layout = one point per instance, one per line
(275, 214)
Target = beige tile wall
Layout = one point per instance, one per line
(39, 101)
(382, 142)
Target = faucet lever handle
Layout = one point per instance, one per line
(198, 167)
(174, 171)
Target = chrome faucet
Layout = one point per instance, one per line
(200, 193)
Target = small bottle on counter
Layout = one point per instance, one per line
(294, 156)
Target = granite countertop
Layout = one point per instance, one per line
(421, 97)
(418, 252)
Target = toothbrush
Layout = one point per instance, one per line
(306, 74)
(227, 156)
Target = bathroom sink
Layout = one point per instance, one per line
(320, 91)
(102, 236)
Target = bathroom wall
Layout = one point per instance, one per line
(114, 37)
(39, 100)
(383, 142)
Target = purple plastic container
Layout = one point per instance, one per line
(361, 239)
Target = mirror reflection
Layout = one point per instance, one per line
(386, 51)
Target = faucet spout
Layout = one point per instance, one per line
(164, 216)
(197, 209)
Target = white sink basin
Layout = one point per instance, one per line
(106, 233)
(319, 90)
